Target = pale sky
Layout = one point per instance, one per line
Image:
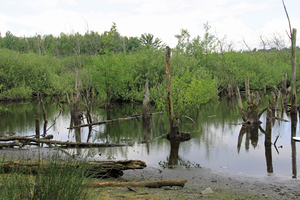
(236, 19)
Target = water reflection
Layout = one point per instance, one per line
(293, 144)
(146, 131)
(218, 140)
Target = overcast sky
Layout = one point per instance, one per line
(163, 18)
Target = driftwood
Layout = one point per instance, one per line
(27, 140)
(150, 184)
(112, 120)
(97, 169)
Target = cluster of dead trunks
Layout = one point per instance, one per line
(253, 112)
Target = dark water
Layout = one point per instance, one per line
(218, 142)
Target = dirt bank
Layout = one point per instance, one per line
(224, 186)
(200, 178)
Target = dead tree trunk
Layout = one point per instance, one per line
(293, 76)
(252, 114)
(27, 141)
(247, 87)
(98, 169)
(146, 113)
(45, 119)
(150, 184)
(174, 127)
(37, 121)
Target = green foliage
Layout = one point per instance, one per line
(189, 92)
(120, 65)
(148, 41)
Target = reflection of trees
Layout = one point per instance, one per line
(252, 135)
(251, 132)
(175, 159)
(268, 144)
(146, 131)
(293, 145)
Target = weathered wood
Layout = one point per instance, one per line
(61, 143)
(174, 126)
(95, 168)
(252, 114)
(293, 75)
(112, 120)
(150, 184)
(146, 101)
(37, 120)
(247, 86)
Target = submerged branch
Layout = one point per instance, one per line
(111, 121)
(26, 140)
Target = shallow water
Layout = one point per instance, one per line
(218, 142)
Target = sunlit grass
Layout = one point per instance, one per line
(54, 182)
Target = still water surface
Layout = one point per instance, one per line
(219, 142)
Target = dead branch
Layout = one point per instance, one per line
(150, 184)
(111, 121)
(287, 15)
(189, 119)
(26, 140)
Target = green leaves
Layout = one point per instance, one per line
(189, 92)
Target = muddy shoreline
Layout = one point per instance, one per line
(198, 178)
(201, 178)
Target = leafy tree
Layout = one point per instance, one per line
(148, 41)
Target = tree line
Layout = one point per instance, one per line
(116, 66)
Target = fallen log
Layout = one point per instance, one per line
(98, 169)
(150, 184)
(111, 121)
(61, 143)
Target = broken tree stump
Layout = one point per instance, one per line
(150, 184)
(252, 113)
(98, 169)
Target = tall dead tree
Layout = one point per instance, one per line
(174, 127)
(292, 37)
(293, 78)
(146, 101)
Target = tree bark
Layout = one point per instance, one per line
(174, 127)
(247, 87)
(293, 76)
(26, 140)
(146, 113)
(97, 169)
(111, 121)
(150, 184)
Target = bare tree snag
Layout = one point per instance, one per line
(149, 184)
(252, 114)
(146, 113)
(292, 37)
(37, 120)
(44, 115)
(247, 87)
(174, 127)
(293, 75)
(99, 169)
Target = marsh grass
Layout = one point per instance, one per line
(57, 181)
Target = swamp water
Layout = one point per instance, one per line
(218, 141)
